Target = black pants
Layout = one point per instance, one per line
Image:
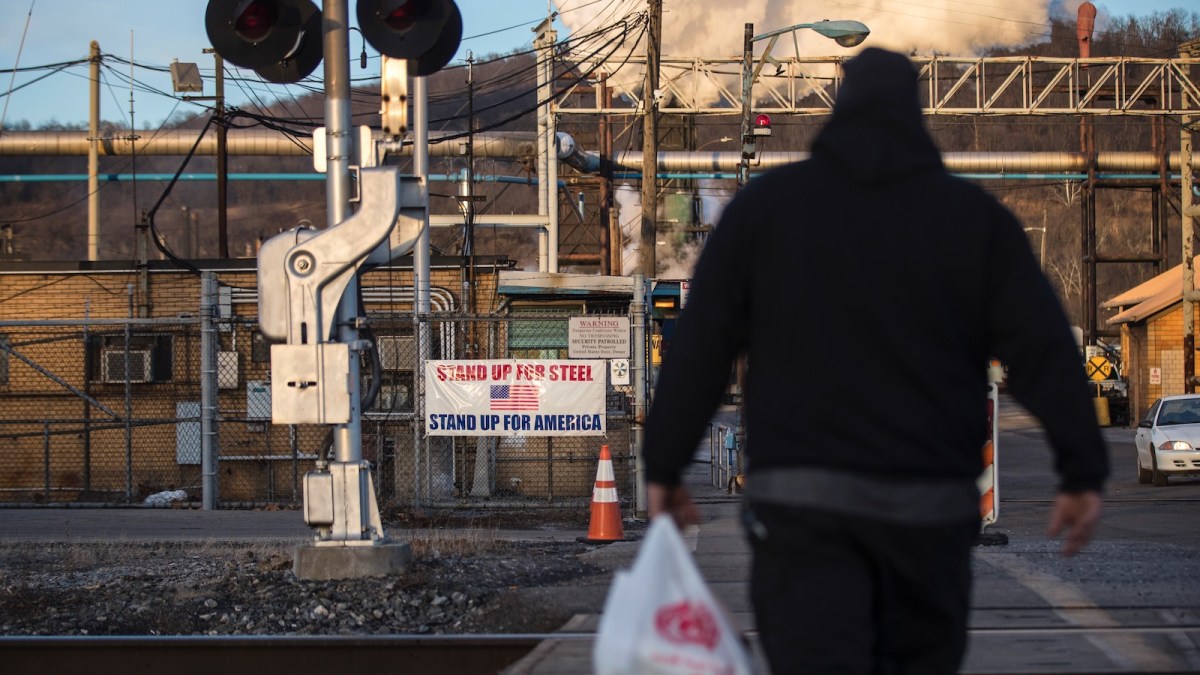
(843, 594)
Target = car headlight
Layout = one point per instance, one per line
(1176, 445)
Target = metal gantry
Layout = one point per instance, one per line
(1008, 85)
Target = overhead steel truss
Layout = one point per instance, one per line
(1010, 85)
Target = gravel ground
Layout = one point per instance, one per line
(457, 584)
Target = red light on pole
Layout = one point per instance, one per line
(255, 20)
(402, 17)
(762, 126)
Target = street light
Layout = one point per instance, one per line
(705, 144)
(1042, 254)
(845, 33)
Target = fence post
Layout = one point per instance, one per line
(46, 456)
(208, 390)
(128, 403)
(641, 394)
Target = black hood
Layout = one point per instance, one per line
(877, 134)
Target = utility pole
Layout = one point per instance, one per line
(222, 162)
(748, 141)
(650, 142)
(1187, 51)
(93, 209)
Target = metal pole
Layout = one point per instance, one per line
(46, 458)
(93, 208)
(609, 239)
(1187, 235)
(87, 390)
(748, 152)
(128, 403)
(347, 438)
(544, 44)
(552, 183)
(222, 162)
(641, 389)
(208, 390)
(421, 263)
(650, 143)
(747, 86)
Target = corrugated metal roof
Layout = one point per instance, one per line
(1149, 297)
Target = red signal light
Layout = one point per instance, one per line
(762, 126)
(405, 14)
(255, 20)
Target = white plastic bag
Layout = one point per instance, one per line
(660, 618)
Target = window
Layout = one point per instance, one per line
(149, 358)
(540, 338)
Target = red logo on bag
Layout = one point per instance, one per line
(688, 623)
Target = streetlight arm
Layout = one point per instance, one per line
(834, 30)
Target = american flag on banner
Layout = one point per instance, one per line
(514, 397)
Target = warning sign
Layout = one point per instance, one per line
(598, 337)
(1098, 368)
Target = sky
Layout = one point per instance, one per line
(36, 33)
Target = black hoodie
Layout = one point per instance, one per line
(869, 289)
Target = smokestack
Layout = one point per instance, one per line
(1085, 23)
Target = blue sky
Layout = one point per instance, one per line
(158, 31)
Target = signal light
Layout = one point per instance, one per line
(280, 39)
(402, 17)
(255, 21)
(427, 32)
(762, 126)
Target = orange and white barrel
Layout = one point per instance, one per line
(989, 499)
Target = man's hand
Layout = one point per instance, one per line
(673, 500)
(1077, 514)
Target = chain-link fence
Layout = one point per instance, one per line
(112, 412)
(97, 413)
(508, 469)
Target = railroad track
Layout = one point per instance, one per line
(262, 655)
(397, 654)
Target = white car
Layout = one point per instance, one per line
(1168, 439)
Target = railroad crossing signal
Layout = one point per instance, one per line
(281, 39)
(1098, 368)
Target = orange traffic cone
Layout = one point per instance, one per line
(605, 525)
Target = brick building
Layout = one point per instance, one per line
(1150, 316)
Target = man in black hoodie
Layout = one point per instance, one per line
(868, 289)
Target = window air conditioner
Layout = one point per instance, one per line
(113, 365)
(396, 352)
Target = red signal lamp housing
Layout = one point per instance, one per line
(762, 126)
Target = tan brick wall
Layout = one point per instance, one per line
(1163, 350)
(69, 455)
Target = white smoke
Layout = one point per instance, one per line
(715, 29)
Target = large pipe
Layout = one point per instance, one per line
(258, 142)
(524, 144)
(975, 162)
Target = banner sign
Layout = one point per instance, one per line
(515, 397)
